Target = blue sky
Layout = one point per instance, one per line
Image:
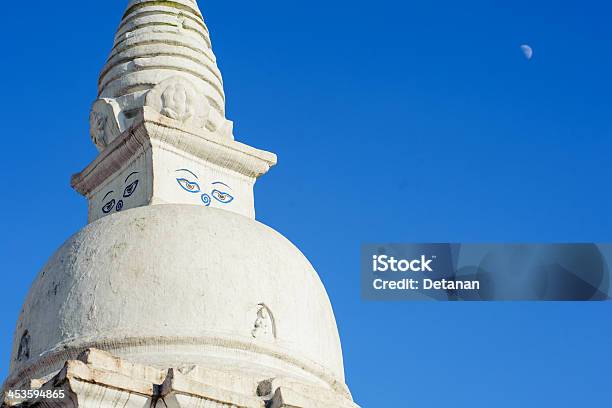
(394, 121)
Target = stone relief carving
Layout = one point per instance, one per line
(177, 102)
(264, 326)
(178, 99)
(97, 122)
(104, 122)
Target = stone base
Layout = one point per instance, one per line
(97, 379)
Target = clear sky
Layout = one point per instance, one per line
(396, 121)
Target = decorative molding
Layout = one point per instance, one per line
(183, 391)
(53, 360)
(286, 392)
(152, 129)
(98, 379)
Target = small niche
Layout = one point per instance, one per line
(23, 353)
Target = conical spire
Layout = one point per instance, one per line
(162, 57)
(159, 120)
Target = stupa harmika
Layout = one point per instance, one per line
(173, 295)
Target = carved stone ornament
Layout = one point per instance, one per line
(178, 99)
(264, 326)
(104, 126)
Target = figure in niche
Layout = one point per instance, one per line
(23, 353)
(264, 323)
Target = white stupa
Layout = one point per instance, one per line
(174, 295)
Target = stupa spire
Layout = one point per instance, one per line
(163, 46)
(159, 120)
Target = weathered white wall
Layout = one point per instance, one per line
(182, 284)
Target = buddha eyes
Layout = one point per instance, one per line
(129, 190)
(206, 198)
(187, 185)
(108, 207)
(191, 187)
(118, 205)
(222, 197)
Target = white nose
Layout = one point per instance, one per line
(206, 199)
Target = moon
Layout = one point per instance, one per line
(527, 51)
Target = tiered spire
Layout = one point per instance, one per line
(159, 120)
(162, 57)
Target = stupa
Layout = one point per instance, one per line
(173, 295)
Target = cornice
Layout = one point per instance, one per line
(152, 130)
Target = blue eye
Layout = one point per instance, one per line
(222, 197)
(108, 207)
(191, 187)
(129, 190)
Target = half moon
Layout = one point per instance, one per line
(527, 51)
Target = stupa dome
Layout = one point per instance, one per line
(169, 285)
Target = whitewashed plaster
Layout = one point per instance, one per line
(173, 270)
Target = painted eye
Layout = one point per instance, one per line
(222, 197)
(188, 185)
(129, 190)
(108, 207)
